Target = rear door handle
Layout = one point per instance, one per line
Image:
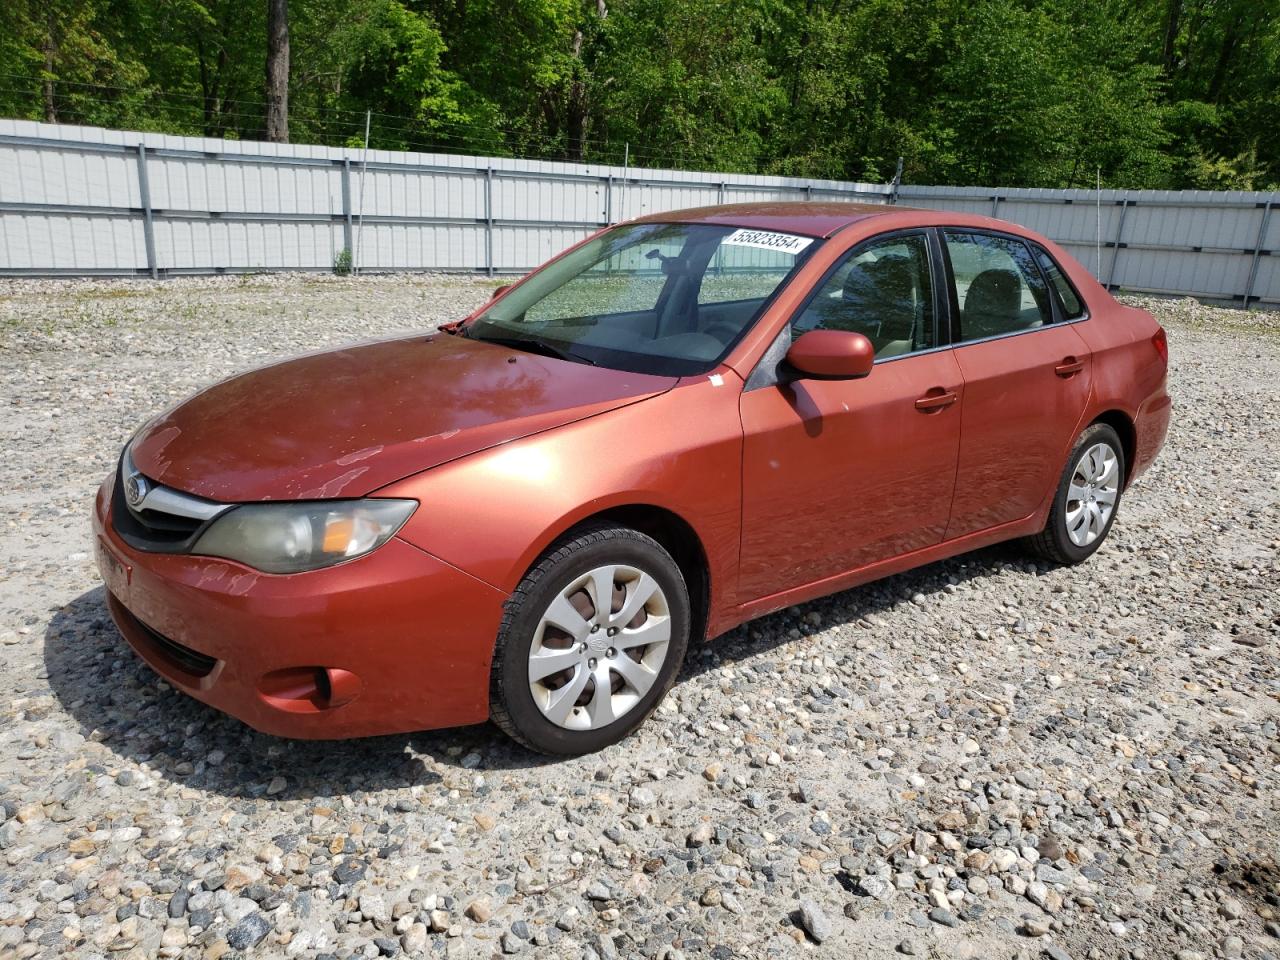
(1069, 367)
(936, 399)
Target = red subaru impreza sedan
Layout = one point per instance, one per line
(679, 424)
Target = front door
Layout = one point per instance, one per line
(1026, 375)
(838, 474)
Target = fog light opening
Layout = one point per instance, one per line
(309, 689)
(324, 689)
(343, 686)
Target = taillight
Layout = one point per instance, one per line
(1161, 343)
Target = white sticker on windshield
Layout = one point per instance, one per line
(766, 240)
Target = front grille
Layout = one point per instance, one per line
(155, 531)
(150, 530)
(189, 661)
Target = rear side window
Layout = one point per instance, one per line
(999, 288)
(1068, 299)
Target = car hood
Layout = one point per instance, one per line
(342, 423)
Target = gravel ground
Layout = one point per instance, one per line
(983, 758)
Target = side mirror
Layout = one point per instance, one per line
(499, 291)
(832, 355)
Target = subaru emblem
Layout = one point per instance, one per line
(135, 489)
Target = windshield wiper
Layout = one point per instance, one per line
(536, 346)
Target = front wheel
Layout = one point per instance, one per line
(590, 642)
(1084, 507)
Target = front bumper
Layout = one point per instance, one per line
(392, 642)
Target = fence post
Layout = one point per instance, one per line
(348, 237)
(896, 183)
(995, 205)
(1115, 257)
(608, 200)
(488, 220)
(148, 221)
(720, 194)
(1257, 253)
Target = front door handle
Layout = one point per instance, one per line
(1069, 367)
(935, 399)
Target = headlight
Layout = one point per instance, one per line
(291, 537)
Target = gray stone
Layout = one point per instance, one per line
(414, 940)
(249, 932)
(877, 887)
(236, 908)
(641, 798)
(1036, 926)
(511, 943)
(374, 907)
(814, 922)
(1048, 874)
(699, 836)
(349, 870)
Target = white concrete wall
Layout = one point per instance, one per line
(71, 202)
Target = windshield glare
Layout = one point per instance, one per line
(664, 298)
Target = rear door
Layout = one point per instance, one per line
(1026, 380)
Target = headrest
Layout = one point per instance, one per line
(884, 291)
(995, 293)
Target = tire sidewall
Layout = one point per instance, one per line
(635, 551)
(1096, 433)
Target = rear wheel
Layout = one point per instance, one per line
(590, 642)
(1084, 507)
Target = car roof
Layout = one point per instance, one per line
(805, 217)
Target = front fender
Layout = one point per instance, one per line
(494, 513)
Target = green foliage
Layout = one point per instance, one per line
(1241, 172)
(342, 262)
(1153, 93)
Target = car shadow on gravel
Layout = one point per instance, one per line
(118, 700)
(878, 598)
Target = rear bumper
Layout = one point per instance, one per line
(393, 642)
(1151, 427)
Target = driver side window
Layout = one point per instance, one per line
(884, 290)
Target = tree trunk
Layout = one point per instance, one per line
(278, 71)
(1171, 25)
(208, 97)
(578, 107)
(50, 52)
(1230, 43)
(798, 64)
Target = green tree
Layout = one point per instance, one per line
(65, 63)
(688, 80)
(1155, 93)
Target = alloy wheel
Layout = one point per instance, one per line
(1092, 493)
(599, 647)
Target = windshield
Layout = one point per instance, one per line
(662, 298)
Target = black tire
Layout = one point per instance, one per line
(511, 703)
(1053, 543)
